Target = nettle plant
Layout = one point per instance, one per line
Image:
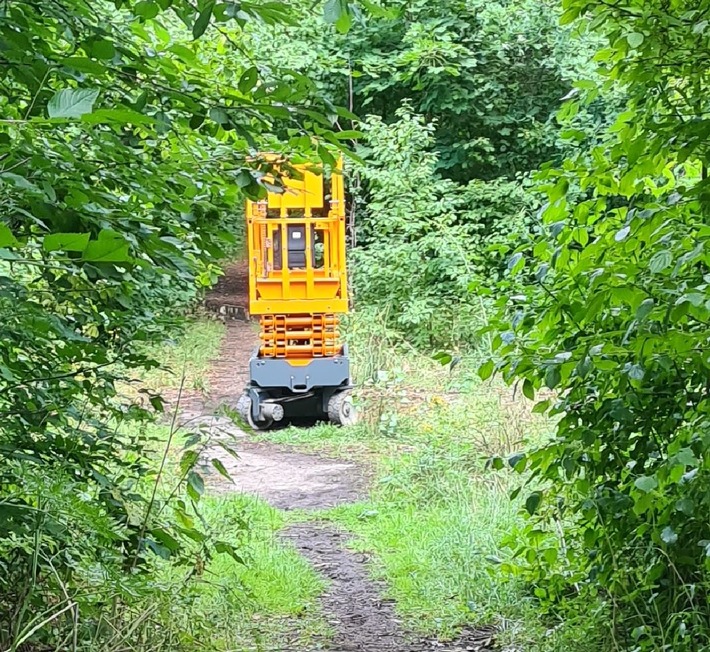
(611, 311)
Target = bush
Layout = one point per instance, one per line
(613, 315)
(424, 239)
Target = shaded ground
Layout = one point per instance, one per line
(353, 605)
(230, 297)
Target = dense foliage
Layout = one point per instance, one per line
(423, 239)
(122, 165)
(462, 99)
(616, 321)
(489, 75)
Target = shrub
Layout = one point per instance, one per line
(423, 239)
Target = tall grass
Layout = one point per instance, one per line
(188, 355)
(268, 602)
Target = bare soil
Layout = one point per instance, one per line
(361, 618)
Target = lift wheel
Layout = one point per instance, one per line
(341, 410)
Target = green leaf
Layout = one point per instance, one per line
(228, 549)
(644, 309)
(157, 402)
(72, 103)
(110, 247)
(552, 377)
(18, 181)
(221, 469)
(248, 80)
(685, 506)
(349, 134)
(84, 64)
(496, 463)
(103, 49)
(528, 389)
(518, 461)
(146, 9)
(166, 539)
(120, 116)
(646, 483)
(443, 357)
(187, 461)
(346, 114)
(660, 261)
(344, 23)
(202, 21)
(326, 156)
(160, 551)
(668, 535)
(635, 39)
(219, 116)
(485, 371)
(533, 502)
(331, 11)
(570, 15)
(195, 486)
(183, 52)
(7, 239)
(686, 457)
(196, 121)
(65, 241)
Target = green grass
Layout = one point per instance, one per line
(268, 602)
(188, 354)
(436, 517)
(434, 513)
(433, 524)
(433, 558)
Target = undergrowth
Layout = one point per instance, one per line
(438, 516)
(187, 355)
(225, 602)
(268, 601)
(435, 521)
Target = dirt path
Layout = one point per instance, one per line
(362, 620)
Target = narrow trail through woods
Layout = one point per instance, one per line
(353, 604)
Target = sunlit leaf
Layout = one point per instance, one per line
(72, 102)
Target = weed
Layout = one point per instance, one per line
(188, 354)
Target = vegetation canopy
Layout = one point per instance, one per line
(123, 150)
(611, 312)
(528, 196)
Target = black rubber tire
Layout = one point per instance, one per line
(244, 409)
(341, 410)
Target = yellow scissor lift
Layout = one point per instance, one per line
(298, 287)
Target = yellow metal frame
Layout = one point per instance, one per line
(314, 289)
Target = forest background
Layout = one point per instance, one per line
(530, 187)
